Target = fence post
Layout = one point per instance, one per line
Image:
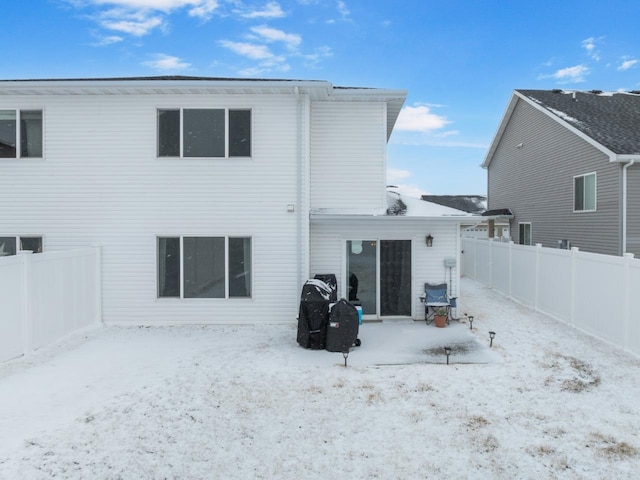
(510, 266)
(537, 278)
(572, 294)
(27, 327)
(626, 314)
(97, 251)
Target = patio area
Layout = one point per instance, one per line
(240, 402)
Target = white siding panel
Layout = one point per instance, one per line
(328, 247)
(101, 183)
(348, 154)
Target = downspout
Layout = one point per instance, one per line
(300, 211)
(624, 205)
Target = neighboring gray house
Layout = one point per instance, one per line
(567, 164)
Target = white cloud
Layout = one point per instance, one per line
(395, 175)
(165, 63)
(576, 73)
(249, 50)
(162, 5)
(627, 64)
(589, 45)
(398, 177)
(140, 17)
(137, 28)
(343, 10)
(419, 119)
(291, 40)
(109, 40)
(270, 10)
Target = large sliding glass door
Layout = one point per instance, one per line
(379, 275)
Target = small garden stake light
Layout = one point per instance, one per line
(491, 336)
(345, 354)
(470, 322)
(447, 352)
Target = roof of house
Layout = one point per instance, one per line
(318, 90)
(607, 120)
(466, 203)
(398, 206)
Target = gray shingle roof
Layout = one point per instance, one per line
(611, 119)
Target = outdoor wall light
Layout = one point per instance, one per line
(470, 322)
(429, 241)
(447, 352)
(491, 336)
(345, 354)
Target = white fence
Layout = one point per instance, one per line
(45, 296)
(592, 292)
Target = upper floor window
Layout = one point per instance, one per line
(20, 133)
(204, 132)
(584, 193)
(11, 245)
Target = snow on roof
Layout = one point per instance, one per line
(398, 205)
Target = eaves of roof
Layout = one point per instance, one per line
(317, 90)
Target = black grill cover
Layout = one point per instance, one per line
(313, 315)
(342, 330)
(330, 280)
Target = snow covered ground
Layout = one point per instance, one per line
(246, 402)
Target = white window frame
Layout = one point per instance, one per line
(520, 242)
(19, 155)
(226, 130)
(595, 192)
(226, 268)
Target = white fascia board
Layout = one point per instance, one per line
(150, 86)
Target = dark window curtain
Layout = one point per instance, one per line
(203, 133)
(31, 133)
(239, 133)
(168, 267)
(168, 133)
(204, 267)
(240, 267)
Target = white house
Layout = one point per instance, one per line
(215, 199)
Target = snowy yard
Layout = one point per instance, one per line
(246, 402)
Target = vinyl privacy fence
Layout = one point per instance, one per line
(595, 293)
(45, 296)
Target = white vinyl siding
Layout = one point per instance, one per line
(329, 240)
(348, 155)
(103, 184)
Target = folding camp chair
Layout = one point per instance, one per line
(435, 298)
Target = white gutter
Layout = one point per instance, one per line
(624, 205)
(299, 205)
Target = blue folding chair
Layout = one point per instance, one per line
(435, 298)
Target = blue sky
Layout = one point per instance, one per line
(459, 60)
